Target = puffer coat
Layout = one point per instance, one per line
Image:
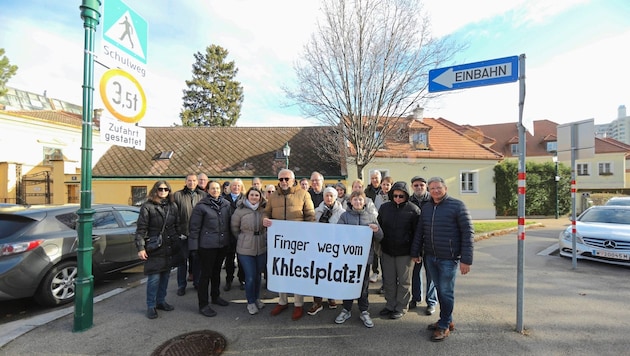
(294, 205)
(363, 217)
(445, 230)
(251, 235)
(210, 224)
(150, 222)
(398, 222)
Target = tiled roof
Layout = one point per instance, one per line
(56, 116)
(445, 141)
(506, 134)
(220, 152)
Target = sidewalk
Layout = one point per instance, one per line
(566, 312)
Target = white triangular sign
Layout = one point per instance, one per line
(124, 33)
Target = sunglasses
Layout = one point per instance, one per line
(419, 185)
(163, 189)
(284, 179)
(270, 191)
(398, 196)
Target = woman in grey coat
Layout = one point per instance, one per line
(358, 214)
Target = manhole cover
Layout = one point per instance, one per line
(203, 342)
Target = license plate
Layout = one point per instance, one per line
(612, 254)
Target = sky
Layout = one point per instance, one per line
(576, 62)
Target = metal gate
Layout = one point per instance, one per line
(35, 188)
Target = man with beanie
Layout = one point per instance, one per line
(420, 197)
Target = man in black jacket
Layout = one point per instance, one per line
(236, 194)
(420, 197)
(444, 237)
(186, 199)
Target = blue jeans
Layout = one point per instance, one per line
(430, 297)
(157, 283)
(443, 273)
(253, 268)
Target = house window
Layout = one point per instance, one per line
(514, 149)
(605, 169)
(552, 146)
(138, 195)
(420, 140)
(582, 169)
(468, 182)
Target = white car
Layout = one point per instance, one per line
(602, 234)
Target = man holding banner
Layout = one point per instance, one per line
(288, 202)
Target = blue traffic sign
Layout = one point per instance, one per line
(494, 71)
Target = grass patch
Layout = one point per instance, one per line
(481, 227)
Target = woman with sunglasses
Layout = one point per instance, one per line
(158, 216)
(398, 219)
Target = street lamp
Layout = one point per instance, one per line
(286, 150)
(557, 179)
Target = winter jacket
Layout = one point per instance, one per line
(380, 199)
(420, 201)
(398, 222)
(186, 200)
(150, 222)
(369, 205)
(365, 218)
(295, 205)
(445, 230)
(371, 192)
(247, 227)
(317, 198)
(210, 224)
(331, 214)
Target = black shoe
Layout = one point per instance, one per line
(165, 306)
(412, 305)
(430, 310)
(181, 291)
(220, 301)
(385, 312)
(228, 286)
(151, 313)
(242, 287)
(207, 311)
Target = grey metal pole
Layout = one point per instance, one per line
(520, 290)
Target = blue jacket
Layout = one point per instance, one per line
(444, 230)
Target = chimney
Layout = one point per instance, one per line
(97, 118)
(418, 113)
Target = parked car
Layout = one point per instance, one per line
(623, 201)
(38, 249)
(602, 234)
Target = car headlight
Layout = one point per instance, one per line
(566, 234)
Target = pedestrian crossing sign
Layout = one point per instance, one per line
(125, 29)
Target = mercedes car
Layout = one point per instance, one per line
(602, 234)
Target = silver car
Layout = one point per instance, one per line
(602, 234)
(38, 249)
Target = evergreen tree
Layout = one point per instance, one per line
(213, 97)
(6, 71)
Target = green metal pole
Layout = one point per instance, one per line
(84, 283)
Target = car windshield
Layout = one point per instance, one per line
(610, 216)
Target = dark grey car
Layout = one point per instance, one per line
(38, 249)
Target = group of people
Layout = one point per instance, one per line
(202, 229)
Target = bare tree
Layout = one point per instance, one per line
(364, 68)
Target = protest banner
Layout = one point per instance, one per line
(308, 258)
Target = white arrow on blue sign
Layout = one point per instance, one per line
(494, 71)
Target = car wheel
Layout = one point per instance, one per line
(58, 285)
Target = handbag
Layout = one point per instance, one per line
(155, 242)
